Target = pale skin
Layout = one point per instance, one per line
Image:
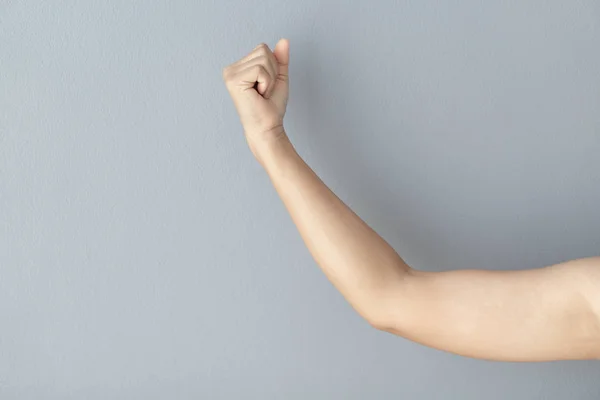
(544, 314)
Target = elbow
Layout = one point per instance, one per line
(375, 320)
(387, 319)
(388, 312)
(378, 322)
(389, 308)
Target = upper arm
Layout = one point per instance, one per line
(540, 314)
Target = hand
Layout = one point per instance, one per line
(258, 85)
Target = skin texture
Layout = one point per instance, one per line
(543, 314)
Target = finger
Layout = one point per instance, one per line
(260, 60)
(282, 55)
(263, 60)
(275, 70)
(260, 50)
(247, 78)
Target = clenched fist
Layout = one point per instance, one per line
(258, 85)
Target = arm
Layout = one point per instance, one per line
(531, 315)
(548, 313)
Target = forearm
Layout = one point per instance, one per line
(357, 261)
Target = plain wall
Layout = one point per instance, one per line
(144, 253)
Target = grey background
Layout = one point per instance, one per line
(145, 254)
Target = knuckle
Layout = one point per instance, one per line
(262, 49)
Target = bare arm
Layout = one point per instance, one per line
(542, 314)
(531, 315)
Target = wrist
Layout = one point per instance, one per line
(268, 150)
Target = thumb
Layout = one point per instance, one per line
(282, 54)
